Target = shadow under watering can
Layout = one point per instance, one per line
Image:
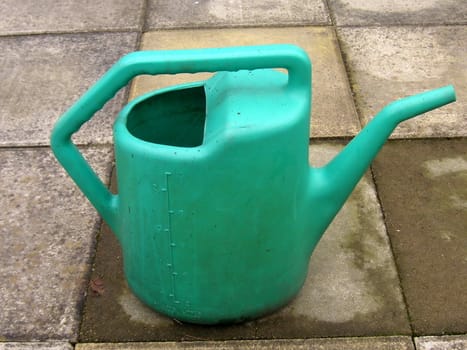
(218, 210)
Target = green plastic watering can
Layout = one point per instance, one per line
(218, 210)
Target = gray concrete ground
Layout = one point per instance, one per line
(389, 273)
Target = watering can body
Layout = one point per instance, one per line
(193, 206)
(217, 210)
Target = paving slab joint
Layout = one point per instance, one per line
(332, 17)
(393, 255)
(401, 25)
(69, 32)
(347, 343)
(144, 19)
(350, 79)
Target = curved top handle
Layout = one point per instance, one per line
(290, 57)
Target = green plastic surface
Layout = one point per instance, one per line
(218, 210)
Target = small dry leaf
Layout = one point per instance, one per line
(96, 285)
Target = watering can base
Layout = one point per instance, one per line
(218, 317)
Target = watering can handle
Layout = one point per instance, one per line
(290, 57)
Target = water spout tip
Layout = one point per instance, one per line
(452, 92)
(448, 92)
(438, 97)
(414, 105)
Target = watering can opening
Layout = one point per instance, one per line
(174, 117)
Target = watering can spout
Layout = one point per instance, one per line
(337, 179)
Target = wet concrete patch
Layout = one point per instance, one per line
(44, 75)
(333, 110)
(212, 13)
(47, 235)
(352, 278)
(423, 189)
(388, 63)
(398, 12)
(352, 288)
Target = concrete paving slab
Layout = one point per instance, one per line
(49, 345)
(376, 343)
(447, 342)
(211, 13)
(389, 63)
(333, 110)
(398, 12)
(422, 186)
(50, 16)
(44, 75)
(47, 232)
(352, 288)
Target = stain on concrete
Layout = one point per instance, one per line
(138, 312)
(445, 166)
(449, 166)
